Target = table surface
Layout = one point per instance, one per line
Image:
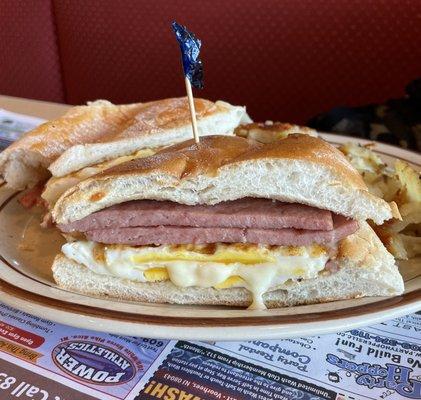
(36, 108)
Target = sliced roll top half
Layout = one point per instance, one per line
(298, 169)
(156, 124)
(101, 131)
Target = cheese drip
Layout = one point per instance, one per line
(257, 268)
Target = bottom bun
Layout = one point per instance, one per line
(365, 269)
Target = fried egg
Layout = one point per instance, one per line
(258, 268)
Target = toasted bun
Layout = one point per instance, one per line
(100, 131)
(24, 162)
(56, 186)
(297, 169)
(366, 269)
(156, 124)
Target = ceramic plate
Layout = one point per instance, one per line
(27, 251)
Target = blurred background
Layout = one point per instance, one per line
(287, 60)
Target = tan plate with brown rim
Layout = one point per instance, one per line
(27, 251)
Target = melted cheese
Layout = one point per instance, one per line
(56, 186)
(257, 268)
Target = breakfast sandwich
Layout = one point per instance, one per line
(92, 135)
(24, 163)
(156, 125)
(228, 221)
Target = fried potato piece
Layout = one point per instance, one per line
(401, 185)
(393, 242)
(411, 214)
(362, 158)
(410, 191)
(412, 244)
(380, 179)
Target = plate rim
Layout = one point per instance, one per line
(203, 331)
(386, 304)
(209, 328)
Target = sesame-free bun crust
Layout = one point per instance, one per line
(365, 269)
(25, 161)
(297, 169)
(155, 124)
(101, 131)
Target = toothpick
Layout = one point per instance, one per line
(192, 109)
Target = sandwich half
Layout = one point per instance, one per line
(228, 221)
(156, 125)
(100, 131)
(24, 163)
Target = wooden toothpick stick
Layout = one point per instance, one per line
(192, 109)
(192, 67)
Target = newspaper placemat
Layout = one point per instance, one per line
(44, 360)
(13, 125)
(40, 359)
